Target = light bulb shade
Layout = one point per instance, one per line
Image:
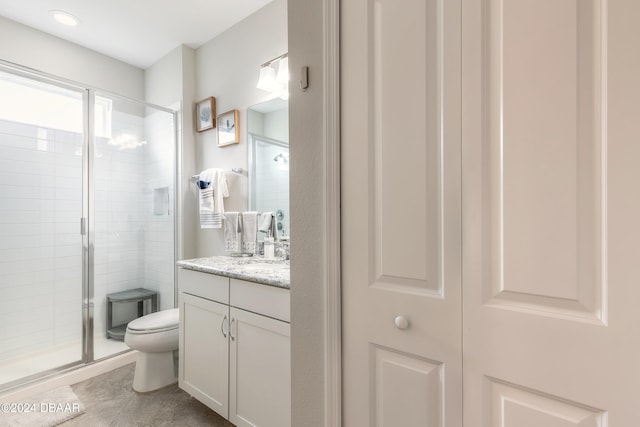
(267, 80)
(283, 71)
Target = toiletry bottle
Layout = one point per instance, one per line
(268, 247)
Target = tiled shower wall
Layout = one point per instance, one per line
(272, 183)
(119, 219)
(136, 246)
(159, 155)
(40, 243)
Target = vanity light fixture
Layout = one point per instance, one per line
(267, 80)
(271, 81)
(283, 71)
(64, 18)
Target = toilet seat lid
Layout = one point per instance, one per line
(159, 321)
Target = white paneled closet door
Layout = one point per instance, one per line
(547, 148)
(401, 276)
(551, 169)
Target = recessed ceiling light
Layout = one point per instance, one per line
(64, 18)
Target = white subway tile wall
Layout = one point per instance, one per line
(134, 247)
(160, 161)
(40, 243)
(272, 182)
(119, 219)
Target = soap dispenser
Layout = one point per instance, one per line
(269, 248)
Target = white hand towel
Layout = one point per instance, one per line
(205, 178)
(232, 232)
(220, 191)
(206, 199)
(249, 232)
(213, 188)
(267, 224)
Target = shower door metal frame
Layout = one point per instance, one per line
(87, 227)
(87, 220)
(37, 76)
(90, 137)
(88, 302)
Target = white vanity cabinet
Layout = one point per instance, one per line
(235, 348)
(259, 371)
(204, 355)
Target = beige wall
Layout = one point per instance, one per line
(170, 82)
(52, 55)
(308, 214)
(227, 67)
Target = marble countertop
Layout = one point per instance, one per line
(267, 271)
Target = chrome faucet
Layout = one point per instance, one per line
(283, 249)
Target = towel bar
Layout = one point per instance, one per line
(239, 171)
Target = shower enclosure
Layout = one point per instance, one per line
(87, 209)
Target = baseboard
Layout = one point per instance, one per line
(69, 377)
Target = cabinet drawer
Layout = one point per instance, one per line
(262, 299)
(204, 285)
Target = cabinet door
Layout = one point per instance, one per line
(204, 351)
(260, 377)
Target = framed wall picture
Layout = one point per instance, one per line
(228, 128)
(205, 114)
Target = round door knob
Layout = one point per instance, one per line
(402, 322)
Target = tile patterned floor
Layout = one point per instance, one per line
(111, 402)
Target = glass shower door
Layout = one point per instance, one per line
(41, 202)
(87, 211)
(134, 249)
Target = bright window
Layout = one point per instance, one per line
(32, 102)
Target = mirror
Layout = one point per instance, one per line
(268, 139)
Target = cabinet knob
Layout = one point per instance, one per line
(402, 322)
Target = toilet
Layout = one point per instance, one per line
(155, 336)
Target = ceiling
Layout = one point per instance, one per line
(138, 32)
